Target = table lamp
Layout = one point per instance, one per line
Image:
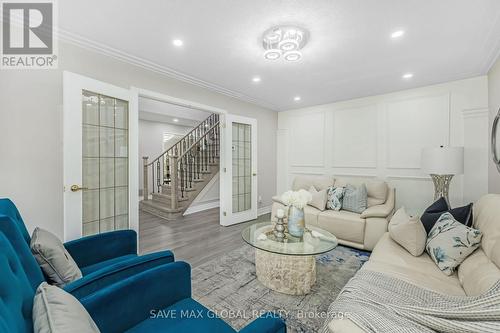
(442, 163)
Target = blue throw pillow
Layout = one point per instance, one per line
(355, 199)
(438, 208)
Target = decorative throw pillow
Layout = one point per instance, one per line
(408, 232)
(53, 258)
(450, 242)
(318, 198)
(355, 199)
(55, 310)
(434, 212)
(334, 198)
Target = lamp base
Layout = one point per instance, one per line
(441, 186)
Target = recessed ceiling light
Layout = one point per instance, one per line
(177, 42)
(256, 79)
(175, 120)
(408, 76)
(297, 98)
(397, 34)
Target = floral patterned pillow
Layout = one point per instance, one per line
(334, 198)
(449, 242)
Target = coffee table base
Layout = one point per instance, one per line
(292, 275)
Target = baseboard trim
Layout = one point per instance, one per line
(264, 210)
(195, 208)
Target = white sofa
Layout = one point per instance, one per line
(361, 231)
(474, 276)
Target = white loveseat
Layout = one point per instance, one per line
(474, 276)
(361, 231)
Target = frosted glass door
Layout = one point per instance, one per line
(104, 164)
(238, 170)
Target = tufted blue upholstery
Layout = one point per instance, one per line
(16, 292)
(103, 259)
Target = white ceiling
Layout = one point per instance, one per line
(153, 110)
(350, 53)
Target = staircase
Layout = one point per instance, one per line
(179, 174)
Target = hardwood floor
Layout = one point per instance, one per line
(195, 238)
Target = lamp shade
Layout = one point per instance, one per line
(443, 160)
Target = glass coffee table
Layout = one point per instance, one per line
(287, 266)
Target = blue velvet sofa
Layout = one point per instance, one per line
(103, 259)
(131, 305)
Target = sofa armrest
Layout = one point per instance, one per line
(124, 304)
(267, 323)
(384, 210)
(102, 278)
(277, 198)
(91, 250)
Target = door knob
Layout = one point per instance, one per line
(76, 188)
(254, 174)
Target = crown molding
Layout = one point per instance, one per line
(88, 44)
(491, 48)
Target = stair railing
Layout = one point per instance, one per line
(183, 164)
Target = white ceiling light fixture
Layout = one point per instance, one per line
(297, 98)
(407, 76)
(256, 79)
(175, 120)
(178, 42)
(286, 41)
(398, 33)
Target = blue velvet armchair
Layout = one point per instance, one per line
(130, 305)
(103, 259)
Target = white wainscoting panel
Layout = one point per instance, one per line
(355, 138)
(415, 124)
(308, 140)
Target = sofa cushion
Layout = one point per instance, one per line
(311, 215)
(450, 242)
(55, 310)
(377, 189)
(408, 232)
(318, 198)
(319, 182)
(438, 208)
(106, 263)
(343, 224)
(335, 195)
(391, 258)
(53, 258)
(186, 315)
(355, 199)
(477, 273)
(486, 219)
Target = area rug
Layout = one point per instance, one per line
(229, 287)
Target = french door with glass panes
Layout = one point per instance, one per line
(96, 157)
(238, 193)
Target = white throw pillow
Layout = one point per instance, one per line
(409, 232)
(449, 242)
(318, 198)
(57, 311)
(53, 258)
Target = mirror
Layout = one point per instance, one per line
(495, 140)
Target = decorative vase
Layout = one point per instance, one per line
(296, 221)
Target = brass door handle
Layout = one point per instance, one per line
(76, 188)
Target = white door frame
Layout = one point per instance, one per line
(73, 84)
(134, 105)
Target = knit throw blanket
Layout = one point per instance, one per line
(379, 303)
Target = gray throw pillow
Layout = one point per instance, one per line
(53, 258)
(318, 198)
(355, 199)
(449, 242)
(334, 198)
(57, 311)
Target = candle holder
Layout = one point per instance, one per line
(279, 229)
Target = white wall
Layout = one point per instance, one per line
(31, 164)
(494, 105)
(382, 136)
